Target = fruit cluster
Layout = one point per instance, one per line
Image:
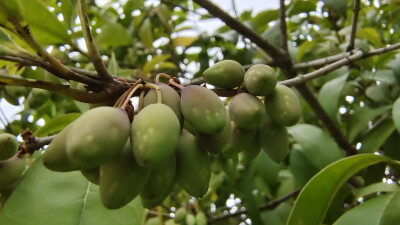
(12, 163)
(173, 138)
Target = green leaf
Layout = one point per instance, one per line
(113, 34)
(370, 34)
(396, 114)
(391, 213)
(151, 65)
(277, 216)
(146, 33)
(56, 125)
(329, 95)
(113, 66)
(322, 188)
(47, 197)
(262, 19)
(368, 213)
(377, 136)
(305, 47)
(375, 188)
(360, 118)
(273, 34)
(338, 5)
(69, 13)
(13, 9)
(45, 26)
(301, 7)
(184, 41)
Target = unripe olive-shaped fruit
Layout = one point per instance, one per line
(201, 218)
(203, 109)
(283, 105)
(193, 166)
(154, 134)
(8, 146)
(190, 219)
(169, 97)
(160, 183)
(55, 156)
(13, 100)
(246, 110)
(240, 140)
(180, 215)
(224, 74)
(11, 170)
(260, 79)
(121, 179)
(274, 139)
(92, 175)
(152, 221)
(215, 143)
(97, 136)
(37, 97)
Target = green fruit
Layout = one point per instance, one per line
(260, 79)
(201, 218)
(215, 143)
(180, 215)
(193, 166)
(169, 97)
(160, 183)
(92, 175)
(11, 170)
(240, 140)
(8, 146)
(283, 105)
(154, 134)
(274, 139)
(97, 136)
(224, 74)
(121, 179)
(190, 219)
(246, 110)
(55, 156)
(203, 109)
(152, 221)
(37, 97)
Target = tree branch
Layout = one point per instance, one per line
(88, 97)
(242, 29)
(356, 10)
(92, 49)
(322, 61)
(282, 16)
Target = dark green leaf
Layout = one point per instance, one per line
(376, 188)
(396, 114)
(47, 197)
(322, 188)
(391, 213)
(301, 7)
(377, 136)
(262, 19)
(338, 5)
(57, 124)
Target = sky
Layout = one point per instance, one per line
(241, 5)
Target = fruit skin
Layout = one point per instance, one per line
(154, 134)
(160, 183)
(193, 166)
(274, 139)
(121, 179)
(55, 156)
(169, 97)
(224, 74)
(180, 215)
(8, 146)
(283, 106)
(240, 140)
(92, 175)
(201, 218)
(247, 110)
(215, 143)
(11, 170)
(97, 136)
(260, 79)
(203, 109)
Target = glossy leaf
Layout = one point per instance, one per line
(63, 198)
(377, 136)
(375, 188)
(396, 114)
(113, 34)
(368, 213)
(44, 24)
(56, 125)
(329, 95)
(322, 188)
(371, 35)
(301, 7)
(262, 19)
(391, 213)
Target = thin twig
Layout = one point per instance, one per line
(356, 10)
(92, 49)
(269, 205)
(78, 95)
(282, 17)
(242, 29)
(322, 61)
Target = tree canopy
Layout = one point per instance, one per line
(61, 60)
